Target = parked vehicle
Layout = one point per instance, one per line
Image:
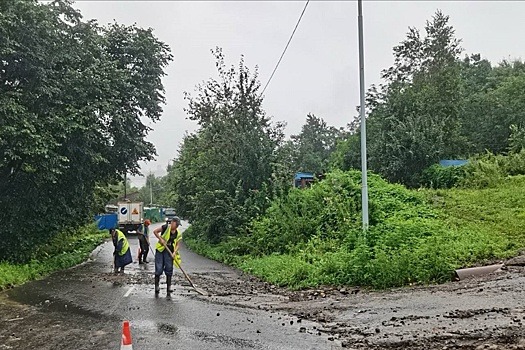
(169, 213)
(110, 208)
(130, 216)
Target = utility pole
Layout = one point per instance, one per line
(364, 177)
(125, 185)
(150, 190)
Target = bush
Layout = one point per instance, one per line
(437, 176)
(490, 170)
(313, 237)
(65, 250)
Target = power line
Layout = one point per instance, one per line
(286, 47)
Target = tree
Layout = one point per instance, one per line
(72, 95)
(154, 191)
(414, 118)
(494, 102)
(347, 154)
(230, 159)
(314, 144)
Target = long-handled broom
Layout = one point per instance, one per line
(201, 292)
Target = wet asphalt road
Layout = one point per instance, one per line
(89, 296)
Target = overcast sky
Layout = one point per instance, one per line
(319, 73)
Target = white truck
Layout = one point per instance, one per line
(130, 216)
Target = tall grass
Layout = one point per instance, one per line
(313, 237)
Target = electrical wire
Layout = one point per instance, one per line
(286, 47)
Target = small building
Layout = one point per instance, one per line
(452, 162)
(303, 179)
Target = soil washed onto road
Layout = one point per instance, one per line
(479, 313)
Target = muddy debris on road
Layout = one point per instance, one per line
(484, 312)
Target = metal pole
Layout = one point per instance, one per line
(125, 185)
(364, 179)
(150, 190)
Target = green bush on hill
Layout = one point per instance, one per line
(313, 237)
(482, 171)
(437, 176)
(490, 170)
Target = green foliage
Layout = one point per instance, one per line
(490, 170)
(483, 170)
(491, 108)
(221, 177)
(66, 249)
(414, 118)
(516, 139)
(313, 237)
(154, 191)
(437, 176)
(347, 154)
(74, 97)
(432, 106)
(314, 145)
(327, 209)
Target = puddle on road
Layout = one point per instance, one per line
(36, 297)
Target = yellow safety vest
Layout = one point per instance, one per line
(125, 244)
(166, 236)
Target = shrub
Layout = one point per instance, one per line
(64, 250)
(437, 176)
(314, 237)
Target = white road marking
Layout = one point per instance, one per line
(129, 292)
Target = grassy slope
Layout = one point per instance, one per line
(499, 210)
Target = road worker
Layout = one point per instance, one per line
(168, 237)
(143, 233)
(122, 253)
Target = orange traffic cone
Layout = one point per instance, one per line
(125, 344)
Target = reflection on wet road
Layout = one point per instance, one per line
(91, 299)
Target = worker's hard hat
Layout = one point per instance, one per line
(176, 219)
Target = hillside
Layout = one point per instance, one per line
(313, 237)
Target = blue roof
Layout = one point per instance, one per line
(452, 162)
(299, 176)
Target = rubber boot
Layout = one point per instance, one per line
(157, 284)
(168, 285)
(145, 256)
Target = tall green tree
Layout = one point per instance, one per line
(154, 191)
(314, 145)
(229, 161)
(73, 97)
(414, 118)
(493, 102)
